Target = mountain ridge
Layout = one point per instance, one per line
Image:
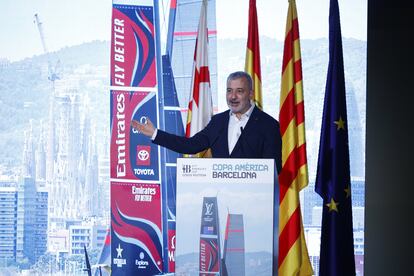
(25, 89)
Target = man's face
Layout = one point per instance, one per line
(238, 96)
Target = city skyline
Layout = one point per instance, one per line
(59, 38)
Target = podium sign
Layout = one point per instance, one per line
(227, 213)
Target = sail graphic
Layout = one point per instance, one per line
(209, 254)
(170, 112)
(183, 25)
(173, 123)
(234, 251)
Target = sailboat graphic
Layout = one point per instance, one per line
(233, 262)
(209, 254)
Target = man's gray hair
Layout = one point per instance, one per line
(239, 75)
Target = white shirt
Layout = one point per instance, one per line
(236, 125)
(154, 134)
(234, 129)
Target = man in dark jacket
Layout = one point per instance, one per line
(244, 131)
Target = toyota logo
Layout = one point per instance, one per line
(143, 155)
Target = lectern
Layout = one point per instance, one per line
(226, 217)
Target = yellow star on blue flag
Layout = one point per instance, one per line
(340, 123)
(333, 206)
(348, 191)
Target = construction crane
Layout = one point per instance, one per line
(53, 73)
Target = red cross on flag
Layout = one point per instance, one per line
(200, 106)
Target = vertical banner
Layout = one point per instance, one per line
(133, 45)
(136, 193)
(171, 116)
(136, 228)
(132, 155)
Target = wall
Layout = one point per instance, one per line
(389, 150)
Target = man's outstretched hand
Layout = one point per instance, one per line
(147, 128)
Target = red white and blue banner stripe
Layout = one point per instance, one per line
(136, 192)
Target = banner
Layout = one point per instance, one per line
(132, 155)
(133, 45)
(136, 192)
(173, 123)
(136, 228)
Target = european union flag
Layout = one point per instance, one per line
(333, 181)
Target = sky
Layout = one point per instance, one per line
(73, 22)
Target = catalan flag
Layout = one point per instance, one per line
(333, 181)
(252, 64)
(200, 106)
(293, 253)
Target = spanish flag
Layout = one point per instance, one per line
(293, 253)
(252, 65)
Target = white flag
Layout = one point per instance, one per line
(200, 106)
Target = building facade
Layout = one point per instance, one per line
(10, 246)
(23, 220)
(33, 206)
(91, 236)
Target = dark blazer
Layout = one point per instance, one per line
(259, 139)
